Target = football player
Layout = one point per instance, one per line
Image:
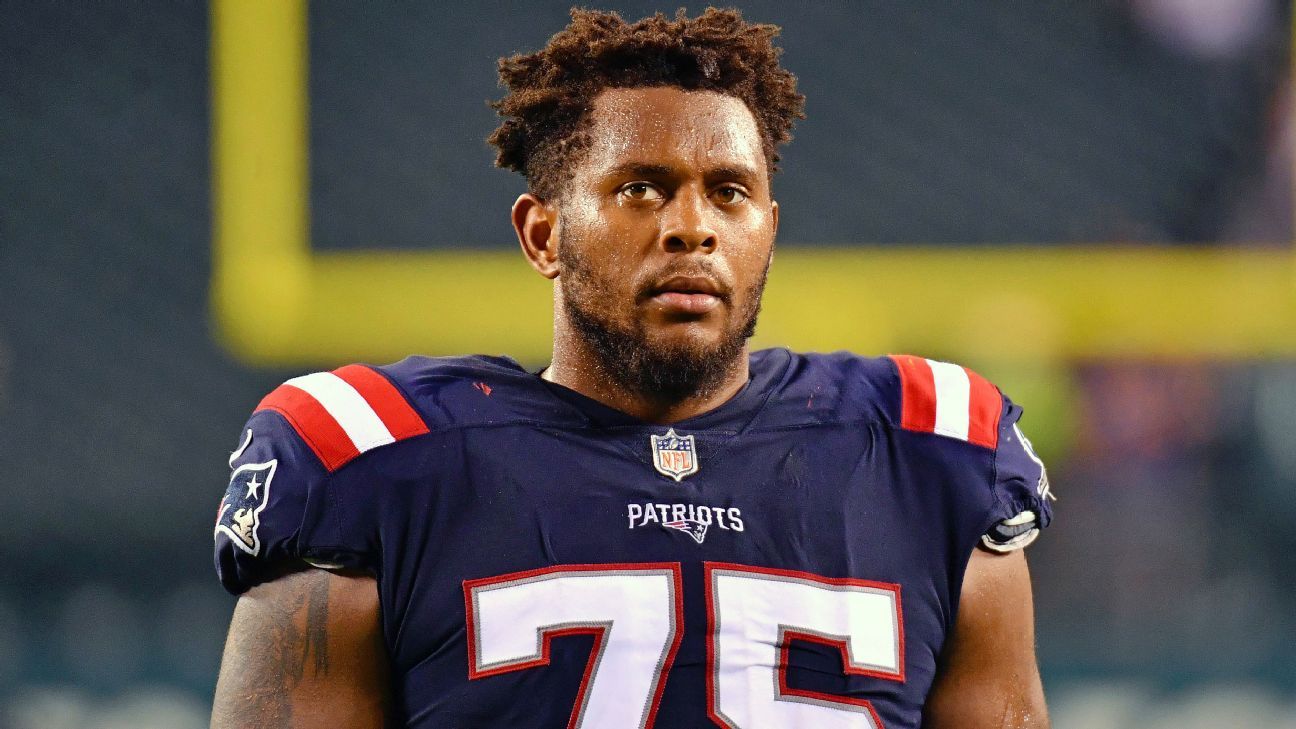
(661, 527)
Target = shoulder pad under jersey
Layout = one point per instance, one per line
(280, 504)
(954, 402)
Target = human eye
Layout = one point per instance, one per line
(639, 192)
(730, 195)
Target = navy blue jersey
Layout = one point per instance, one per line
(792, 558)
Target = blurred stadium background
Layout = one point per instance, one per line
(1090, 202)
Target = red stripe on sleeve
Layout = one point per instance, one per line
(985, 405)
(917, 393)
(401, 420)
(313, 423)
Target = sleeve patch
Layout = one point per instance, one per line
(239, 517)
(344, 413)
(949, 400)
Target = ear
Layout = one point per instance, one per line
(774, 212)
(534, 221)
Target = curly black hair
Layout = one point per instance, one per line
(551, 92)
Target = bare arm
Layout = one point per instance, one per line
(988, 677)
(305, 650)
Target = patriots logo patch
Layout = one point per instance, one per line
(695, 529)
(239, 517)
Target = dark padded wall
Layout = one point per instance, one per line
(931, 122)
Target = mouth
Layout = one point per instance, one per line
(690, 295)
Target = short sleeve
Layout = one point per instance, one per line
(1021, 487)
(954, 402)
(277, 508)
(282, 503)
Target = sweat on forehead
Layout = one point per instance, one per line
(670, 127)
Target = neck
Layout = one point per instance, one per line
(577, 367)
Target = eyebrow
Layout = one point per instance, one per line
(644, 169)
(732, 173)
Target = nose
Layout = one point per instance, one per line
(687, 226)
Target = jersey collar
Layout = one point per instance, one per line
(767, 369)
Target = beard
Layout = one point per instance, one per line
(662, 372)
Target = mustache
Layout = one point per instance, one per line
(693, 269)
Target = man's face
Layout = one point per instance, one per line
(665, 232)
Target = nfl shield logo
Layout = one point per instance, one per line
(674, 455)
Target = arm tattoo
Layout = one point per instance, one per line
(317, 628)
(269, 657)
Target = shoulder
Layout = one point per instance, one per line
(946, 399)
(281, 503)
(902, 391)
(946, 414)
(822, 389)
(288, 497)
(898, 391)
(951, 401)
(344, 413)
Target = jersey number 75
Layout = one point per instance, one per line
(636, 613)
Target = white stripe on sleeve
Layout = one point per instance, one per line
(348, 407)
(953, 391)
